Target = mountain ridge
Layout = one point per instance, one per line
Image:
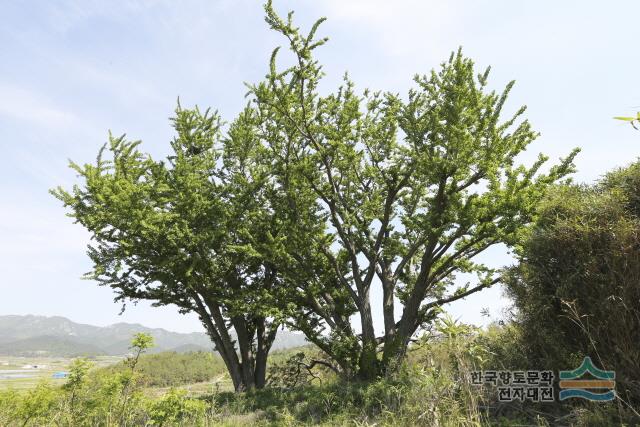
(30, 335)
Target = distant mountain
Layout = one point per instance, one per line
(58, 336)
(47, 345)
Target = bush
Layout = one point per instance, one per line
(576, 289)
(102, 399)
(98, 400)
(176, 407)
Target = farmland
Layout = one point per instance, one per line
(22, 373)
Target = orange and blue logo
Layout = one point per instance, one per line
(572, 386)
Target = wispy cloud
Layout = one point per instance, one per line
(411, 27)
(33, 108)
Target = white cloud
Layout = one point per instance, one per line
(21, 104)
(402, 27)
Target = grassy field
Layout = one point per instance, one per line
(15, 375)
(18, 373)
(25, 373)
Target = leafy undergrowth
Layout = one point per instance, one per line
(433, 388)
(419, 401)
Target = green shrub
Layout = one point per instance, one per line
(8, 406)
(36, 405)
(175, 407)
(577, 286)
(100, 399)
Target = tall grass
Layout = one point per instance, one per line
(433, 388)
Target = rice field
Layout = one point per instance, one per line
(21, 373)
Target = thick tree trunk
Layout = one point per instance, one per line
(261, 369)
(245, 344)
(368, 367)
(264, 340)
(236, 378)
(221, 345)
(246, 364)
(395, 347)
(391, 341)
(254, 342)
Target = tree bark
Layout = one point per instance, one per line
(368, 363)
(245, 344)
(248, 363)
(389, 315)
(229, 358)
(264, 340)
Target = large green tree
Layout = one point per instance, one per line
(179, 232)
(311, 199)
(390, 191)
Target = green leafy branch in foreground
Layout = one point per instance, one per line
(633, 121)
(99, 398)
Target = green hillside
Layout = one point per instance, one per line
(48, 345)
(171, 369)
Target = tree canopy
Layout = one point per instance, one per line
(180, 232)
(408, 191)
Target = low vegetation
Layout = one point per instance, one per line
(172, 369)
(433, 387)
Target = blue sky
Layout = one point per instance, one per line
(72, 70)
